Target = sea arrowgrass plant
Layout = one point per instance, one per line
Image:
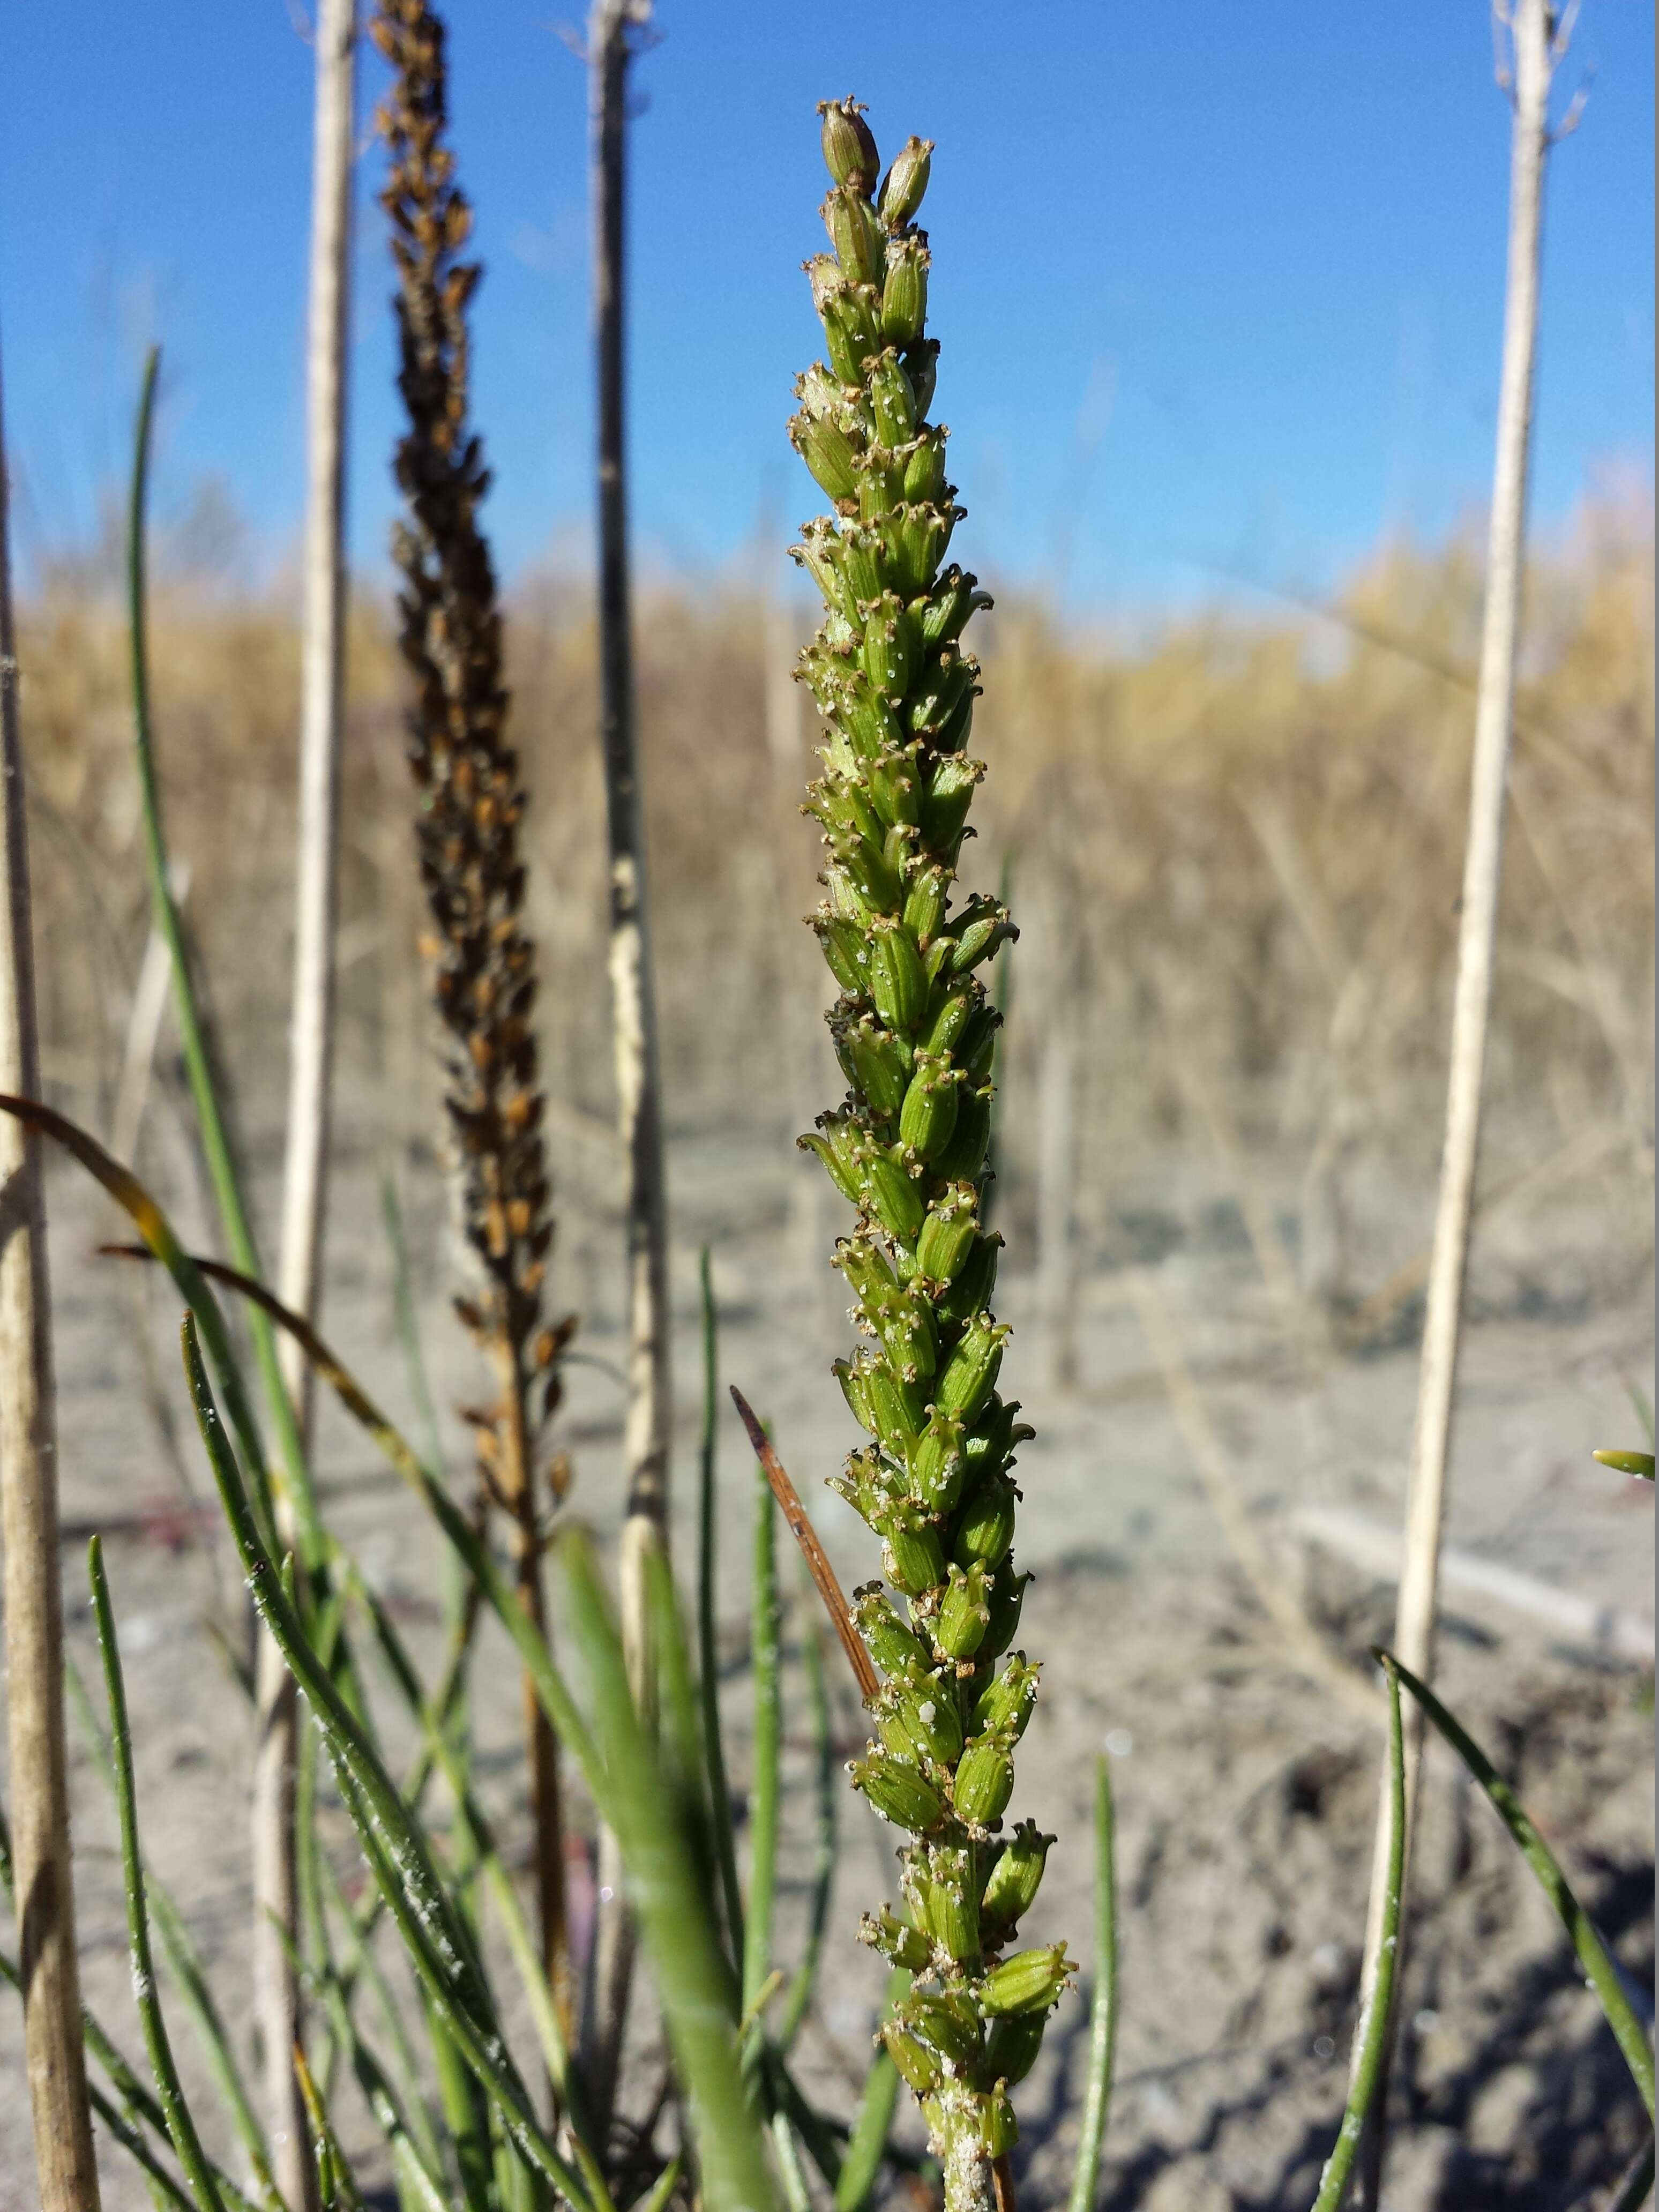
(914, 1032)
(471, 803)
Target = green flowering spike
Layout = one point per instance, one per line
(893, 677)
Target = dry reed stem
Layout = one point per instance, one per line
(614, 31)
(482, 960)
(54, 2059)
(1532, 26)
(276, 1991)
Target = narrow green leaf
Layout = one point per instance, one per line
(1371, 2037)
(427, 1919)
(656, 2198)
(1103, 2011)
(766, 1672)
(708, 1635)
(1593, 1957)
(867, 2145)
(180, 2126)
(693, 1980)
(192, 1036)
(1628, 1463)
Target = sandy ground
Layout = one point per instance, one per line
(1246, 1789)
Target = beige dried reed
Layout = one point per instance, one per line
(470, 805)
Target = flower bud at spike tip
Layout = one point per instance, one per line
(849, 145)
(895, 680)
(906, 180)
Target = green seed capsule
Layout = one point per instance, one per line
(850, 314)
(897, 1650)
(856, 236)
(1005, 1703)
(920, 536)
(1013, 2046)
(947, 2022)
(855, 1389)
(876, 1065)
(951, 1021)
(1012, 1889)
(1007, 1598)
(905, 1327)
(928, 1116)
(964, 1155)
(922, 366)
(904, 295)
(827, 453)
(950, 793)
(954, 599)
(982, 926)
(847, 951)
(894, 1939)
(1031, 1981)
(865, 1483)
(870, 875)
(999, 2131)
(889, 645)
(970, 1287)
(924, 904)
(892, 403)
(944, 1900)
(849, 147)
(870, 725)
(984, 1784)
(971, 1373)
(843, 806)
(913, 1558)
(896, 788)
(964, 1616)
(941, 687)
(946, 1238)
(899, 1791)
(917, 2067)
(906, 182)
(986, 1530)
(954, 733)
(839, 1146)
(921, 476)
(931, 1718)
(898, 981)
(881, 483)
(936, 1465)
(897, 1404)
(824, 398)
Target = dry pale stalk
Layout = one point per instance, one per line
(467, 833)
(28, 1523)
(1537, 39)
(615, 29)
(322, 693)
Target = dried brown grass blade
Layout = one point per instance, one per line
(817, 1562)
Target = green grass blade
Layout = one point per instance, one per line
(1599, 1969)
(656, 2198)
(336, 2188)
(693, 1979)
(707, 1636)
(1102, 2013)
(796, 2194)
(826, 1807)
(1628, 1463)
(184, 1962)
(1637, 2186)
(180, 2126)
(766, 1669)
(192, 1036)
(867, 2145)
(431, 1928)
(1371, 2039)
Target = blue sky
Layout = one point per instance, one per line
(1216, 283)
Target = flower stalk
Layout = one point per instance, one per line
(914, 1032)
(470, 802)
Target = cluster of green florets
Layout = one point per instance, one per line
(916, 1033)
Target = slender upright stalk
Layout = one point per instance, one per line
(322, 687)
(467, 835)
(914, 1033)
(29, 1520)
(1537, 42)
(614, 28)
